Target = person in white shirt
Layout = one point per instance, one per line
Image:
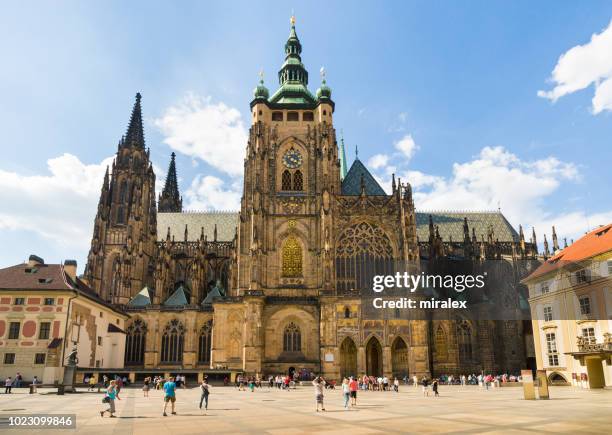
(319, 386)
(396, 385)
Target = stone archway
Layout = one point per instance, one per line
(348, 358)
(399, 358)
(374, 357)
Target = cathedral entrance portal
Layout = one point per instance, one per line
(399, 358)
(374, 362)
(348, 358)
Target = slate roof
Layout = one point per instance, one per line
(195, 221)
(142, 299)
(351, 184)
(451, 225)
(178, 298)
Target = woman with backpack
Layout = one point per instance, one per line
(111, 394)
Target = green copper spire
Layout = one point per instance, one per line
(343, 169)
(293, 77)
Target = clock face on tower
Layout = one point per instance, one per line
(292, 159)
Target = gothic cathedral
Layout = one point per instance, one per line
(277, 287)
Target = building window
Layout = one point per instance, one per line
(49, 301)
(298, 181)
(99, 341)
(291, 258)
(135, 343)
(39, 358)
(589, 335)
(9, 358)
(277, 116)
(292, 338)
(308, 116)
(14, 331)
(101, 314)
(548, 314)
(286, 180)
(545, 287)
(205, 346)
(464, 340)
(45, 328)
(293, 116)
(551, 348)
(19, 301)
(581, 276)
(585, 305)
(172, 342)
(347, 313)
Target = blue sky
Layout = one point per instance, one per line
(443, 93)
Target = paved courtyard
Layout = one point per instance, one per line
(271, 411)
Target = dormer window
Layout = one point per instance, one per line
(277, 116)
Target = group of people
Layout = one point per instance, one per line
(17, 382)
(169, 387)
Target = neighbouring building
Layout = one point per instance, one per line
(570, 296)
(276, 287)
(46, 310)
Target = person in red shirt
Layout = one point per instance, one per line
(287, 382)
(353, 387)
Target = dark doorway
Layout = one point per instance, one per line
(291, 371)
(374, 362)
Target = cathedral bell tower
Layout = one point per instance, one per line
(119, 263)
(291, 172)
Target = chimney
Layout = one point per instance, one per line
(35, 260)
(70, 267)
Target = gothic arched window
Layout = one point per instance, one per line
(363, 250)
(298, 181)
(286, 180)
(205, 343)
(440, 344)
(135, 340)
(291, 258)
(123, 191)
(464, 341)
(347, 313)
(173, 340)
(292, 338)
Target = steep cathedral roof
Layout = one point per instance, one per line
(142, 299)
(135, 133)
(358, 174)
(178, 298)
(450, 225)
(196, 222)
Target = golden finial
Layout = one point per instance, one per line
(292, 19)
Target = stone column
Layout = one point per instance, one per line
(361, 361)
(387, 362)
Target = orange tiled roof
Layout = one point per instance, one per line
(591, 244)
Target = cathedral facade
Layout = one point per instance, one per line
(277, 287)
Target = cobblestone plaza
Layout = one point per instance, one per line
(272, 411)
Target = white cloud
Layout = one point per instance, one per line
(59, 206)
(210, 193)
(210, 131)
(583, 65)
(378, 161)
(407, 146)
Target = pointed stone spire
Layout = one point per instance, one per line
(564, 242)
(343, 164)
(135, 132)
(170, 200)
(356, 152)
(534, 241)
(466, 231)
(393, 182)
(546, 251)
(554, 240)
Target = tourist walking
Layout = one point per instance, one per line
(8, 385)
(396, 385)
(319, 386)
(112, 393)
(353, 387)
(169, 395)
(425, 383)
(463, 380)
(346, 392)
(415, 381)
(205, 388)
(146, 387)
(434, 387)
(18, 379)
(92, 383)
(35, 382)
